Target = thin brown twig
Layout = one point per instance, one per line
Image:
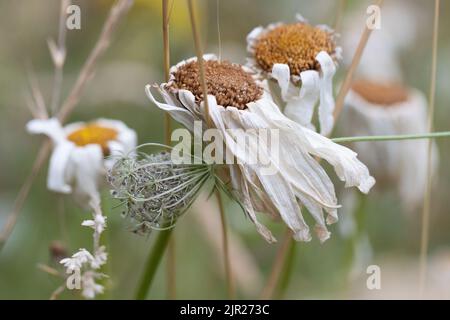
(427, 197)
(226, 251)
(171, 253)
(58, 53)
(116, 14)
(36, 93)
(199, 51)
(49, 270)
(278, 266)
(23, 193)
(55, 294)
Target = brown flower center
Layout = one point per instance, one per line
(229, 83)
(385, 94)
(296, 45)
(93, 134)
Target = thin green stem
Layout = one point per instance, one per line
(286, 274)
(432, 135)
(153, 262)
(226, 251)
(199, 52)
(427, 196)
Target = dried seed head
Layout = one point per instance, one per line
(155, 191)
(384, 94)
(229, 83)
(93, 134)
(296, 45)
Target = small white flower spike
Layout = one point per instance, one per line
(87, 263)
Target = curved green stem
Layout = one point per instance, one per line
(152, 263)
(286, 273)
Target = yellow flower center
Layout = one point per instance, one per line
(296, 45)
(384, 94)
(93, 134)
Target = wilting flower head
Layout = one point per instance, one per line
(374, 108)
(302, 58)
(154, 190)
(239, 105)
(78, 160)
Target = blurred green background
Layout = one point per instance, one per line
(117, 91)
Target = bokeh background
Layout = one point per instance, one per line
(117, 91)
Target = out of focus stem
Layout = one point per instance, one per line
(153, 261)
(432, 135)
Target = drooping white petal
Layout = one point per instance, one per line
(345, 162)
(274, 185)
(253, 36)
(282, 74)
(301, 109)
(326, 106)
(57, 171)
(284, 199)
(262, 230)
(88, 168)
(50, 127)
(180, 114)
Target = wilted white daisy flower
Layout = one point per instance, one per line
(237, 101)
(383, 108)
(302, 58)
(78, 162)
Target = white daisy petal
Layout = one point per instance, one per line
(56, 178)
(50, 127)
(345, 162)
(282, 74)
(300, 109)
(326, 107)
(179, 114)
(88, 162)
